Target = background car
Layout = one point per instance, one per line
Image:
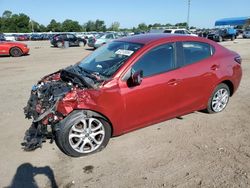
(246, 33)
(128, 84)
(22, 37)
(179, 31)
(14, 49)
(221, 34)
(59, 40)
(9, 37)
(36, 37)
(97, 41)
(2, 38)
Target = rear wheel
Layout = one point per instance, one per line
(219, 99)
(59, 44)
(16, 52)
(83, 135)
(233, 38)
(81, 44)
(220, 39)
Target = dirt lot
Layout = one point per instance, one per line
(199, 150)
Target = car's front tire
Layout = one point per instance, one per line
(16, 52)
(83, 135)
(219, 99)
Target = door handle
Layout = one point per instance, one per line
(215, 67)
(174, 82)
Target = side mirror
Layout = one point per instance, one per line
(135, 79)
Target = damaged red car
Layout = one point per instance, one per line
(14, 49)
(128, 84)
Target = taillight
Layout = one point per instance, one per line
(238, 59)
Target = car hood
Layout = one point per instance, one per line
(51, 89)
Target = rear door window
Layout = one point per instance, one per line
(195, 51)
(109, 36)
(179, 32)
(167, 31)
(158, 60)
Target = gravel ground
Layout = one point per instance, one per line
(198, 150)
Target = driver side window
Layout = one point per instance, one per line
(158, 60)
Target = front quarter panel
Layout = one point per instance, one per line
(106, 101)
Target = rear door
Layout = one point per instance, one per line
(198, 70)
(72, 40)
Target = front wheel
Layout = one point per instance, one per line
(219, 99)
(83, 135)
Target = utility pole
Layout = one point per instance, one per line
(188, 15)
(32, 26)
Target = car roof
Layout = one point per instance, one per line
(153, 37)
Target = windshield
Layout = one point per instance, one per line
(109, 58)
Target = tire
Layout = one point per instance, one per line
(16, 52)
(59, 44)
(80, 135)
(232, 38)
(219, 99)
(81, 44)
(220, 39)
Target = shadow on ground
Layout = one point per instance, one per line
(25, 173)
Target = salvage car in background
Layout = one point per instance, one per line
(96, 42)
(128, 84)
(9, 37)
(246, 33)
(2, 38)
(221, 34)
(179, 31)
(60, 39)
(22, 37)
(14, 49)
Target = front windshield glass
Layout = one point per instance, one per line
(109, 58)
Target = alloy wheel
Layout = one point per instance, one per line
(87, 135)
(220, 100)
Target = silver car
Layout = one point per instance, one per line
(101, 39)
(246, 33)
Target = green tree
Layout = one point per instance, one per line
(114, 26)
(7, 14)
(22, 23)
(14, 22)
(142, 27)
(182, 24)
(36, 27)
(71, 26)
(100, 25)
(89, 26)
(54, 26)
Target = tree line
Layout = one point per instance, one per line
(22, 23)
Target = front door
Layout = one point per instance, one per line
(158, 95)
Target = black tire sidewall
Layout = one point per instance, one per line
(12, 53)
(59, 44)
(62, 136)
(209, 105)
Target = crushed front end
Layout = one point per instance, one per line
(41, 107)
(49, 94)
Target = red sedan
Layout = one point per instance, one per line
(129, 84)
(14, 49)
